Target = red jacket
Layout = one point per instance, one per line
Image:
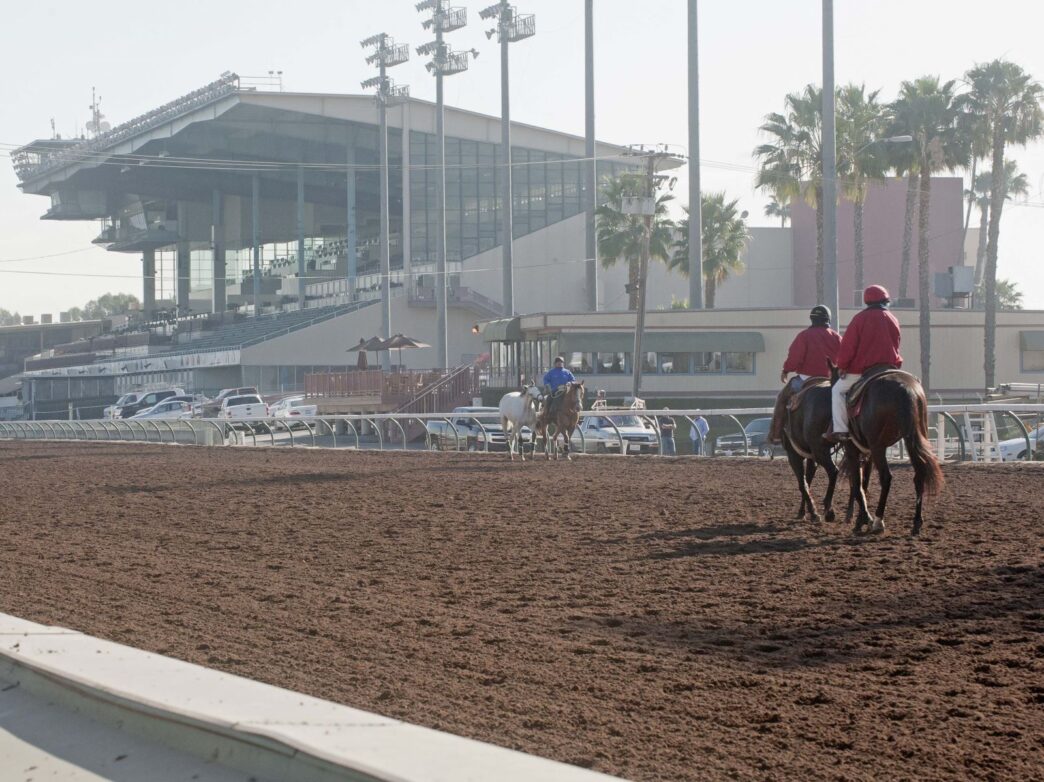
(810, 350)
(871, 338)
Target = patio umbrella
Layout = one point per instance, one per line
(365, 345)
(400, 342)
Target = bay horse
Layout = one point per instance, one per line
(803, 429)
(893, 407)
(518, 409)
(565, 419)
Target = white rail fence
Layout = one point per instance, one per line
(959, 432)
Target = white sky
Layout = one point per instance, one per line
(752, 53)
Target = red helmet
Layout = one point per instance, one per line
(874, 294)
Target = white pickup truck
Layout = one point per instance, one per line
(246, 406)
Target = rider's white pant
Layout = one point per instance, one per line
(837, 401)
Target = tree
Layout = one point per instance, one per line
(620, 235)
(1009, 102)
(724, 237)
(861, 123)
(1009, 297)
(1016, 184)
(790, 164)
(780, 209)
(10, 318)
(927, 109)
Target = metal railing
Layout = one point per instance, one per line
(953, 433)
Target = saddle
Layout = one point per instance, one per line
(854, 397)
(799, 396)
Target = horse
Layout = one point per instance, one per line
(803, 429)
(893, 407)
(518, 409)
(566, 418)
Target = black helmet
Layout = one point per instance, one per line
(820, 312)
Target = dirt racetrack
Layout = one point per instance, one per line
(660, 619)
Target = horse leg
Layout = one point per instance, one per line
(854, 463)
(884, 475)
(567, 437)
(831, 471)
(798, 466)
(810, 474)
(920, 470)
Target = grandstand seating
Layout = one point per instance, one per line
(250, 331)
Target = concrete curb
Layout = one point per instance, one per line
(263, 730)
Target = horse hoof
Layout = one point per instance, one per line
(830, 516)
(813, 517)
(878, 527)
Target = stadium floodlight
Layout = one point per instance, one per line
(386, 53)
(444, 62)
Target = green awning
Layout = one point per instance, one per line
(503, 330)
(664, 342)
(1031, 340)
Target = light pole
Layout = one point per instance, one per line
(386, 54)
(510, 28)
(590, 166)
(695, 197)
(444, 62)
(829, 162)
(889, 140)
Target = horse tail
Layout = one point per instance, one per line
(918, 444)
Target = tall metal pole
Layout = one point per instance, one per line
(441, 286)
(643, 274)
(255, 238)
(505, 144)
(590, 173)
(695, 196)
(302, 275)
(382, 142)
(829, 166)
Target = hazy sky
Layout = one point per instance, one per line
(751, 54)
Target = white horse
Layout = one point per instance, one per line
(518, 409)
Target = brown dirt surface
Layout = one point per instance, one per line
(659, 619)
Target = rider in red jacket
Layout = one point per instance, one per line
(807, 357)
(871, 339)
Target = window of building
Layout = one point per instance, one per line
(610, 363)
(739, 363)
(1033, 361)
(674, 363)
(706, 362)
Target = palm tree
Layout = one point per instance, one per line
(861, 122)
(725, 235)
(1009, 101)
(974, 136)
(790, 165)
(780, 209)
(620, 235)
(927, 109)
(1016, 184)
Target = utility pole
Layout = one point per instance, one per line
(695, 196)
(386, 53)
(444, 62)
(510, 28)
(590, 169)
(643, 204)
(829, 151)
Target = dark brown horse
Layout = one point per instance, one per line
(564, 414)
(893, 408)
(803, 430)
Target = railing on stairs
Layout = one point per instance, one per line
(455, 389)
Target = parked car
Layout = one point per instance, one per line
(113, 410)
(1014, 450)
(600, 436)
(147, 400)
(173, 408)
(293, 407)
(469, 434)
(211, 408)
(757, 441)
(247, 406)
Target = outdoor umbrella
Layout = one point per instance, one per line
(365, 345)
(400, 341)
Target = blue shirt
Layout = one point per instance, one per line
(557, 377)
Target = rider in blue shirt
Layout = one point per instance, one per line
(555, 378)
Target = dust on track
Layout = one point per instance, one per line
(660, 619)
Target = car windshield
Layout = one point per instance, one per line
(758, 425)
(298, 402)
(624, 420)
(243, 400)
(126, 399)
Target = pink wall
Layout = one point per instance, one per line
(883, 217)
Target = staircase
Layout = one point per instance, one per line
(454, 389)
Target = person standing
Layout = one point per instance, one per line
(807, 357)
(667, 426)
(871, 340)
(698, 434)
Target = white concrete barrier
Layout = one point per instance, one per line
(270, 733)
